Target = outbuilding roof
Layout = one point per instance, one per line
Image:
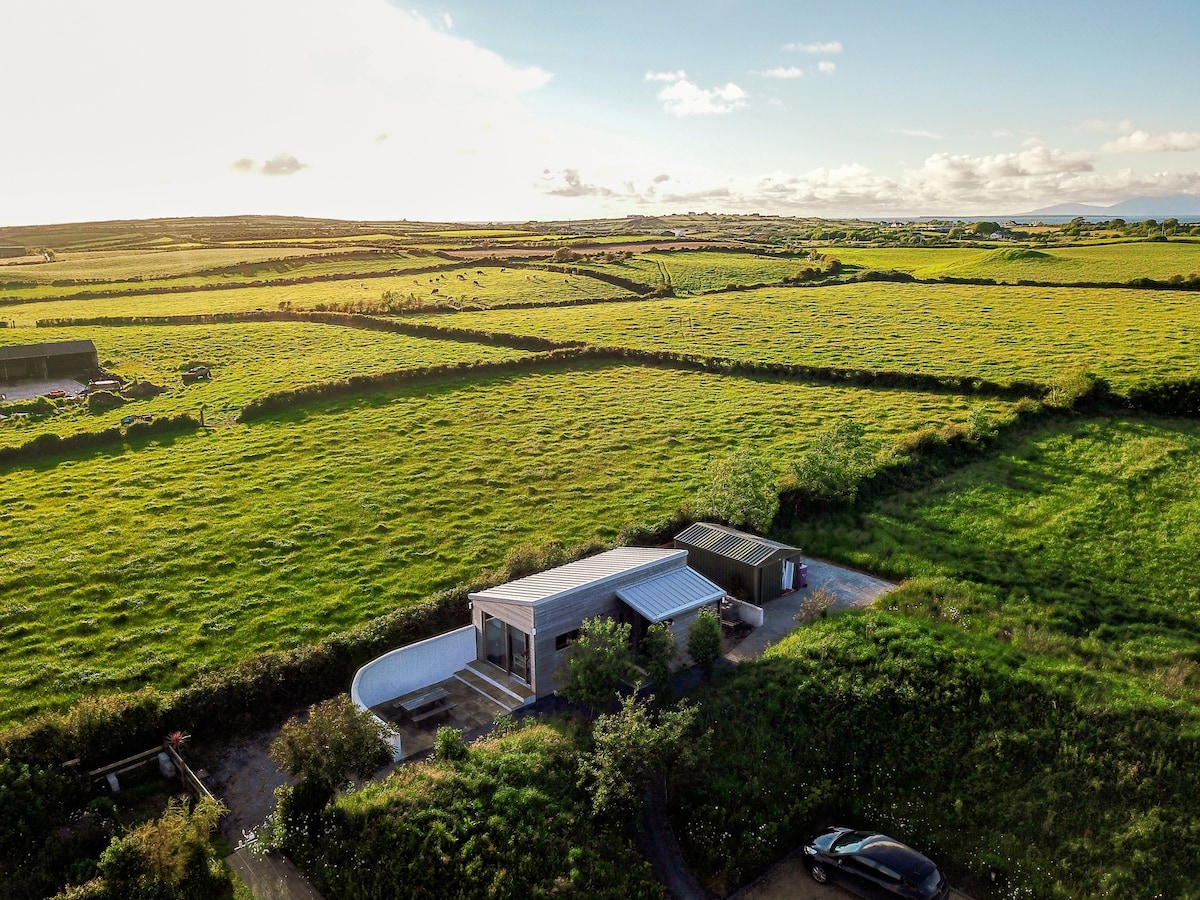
(733, 544)
(52, 348)
(592, 570)
(673, 594)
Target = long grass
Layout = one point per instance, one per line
(146, 566)
(994, 332)
(1077, 539)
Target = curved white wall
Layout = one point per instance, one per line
(418, 665)
(410, 668)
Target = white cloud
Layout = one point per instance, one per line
(826, 66)
(682, 97)
(815, 47)
(1124, 126)
(320, 81)
(782, 72)
(448, 20)
(1146, 142)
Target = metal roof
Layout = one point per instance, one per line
(53, 348)
(670, 595)
(562, 580)
(732, 544)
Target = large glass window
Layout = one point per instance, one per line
(507, 647)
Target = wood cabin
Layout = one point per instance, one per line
(749, 567)
(57, 359)
(523, 628)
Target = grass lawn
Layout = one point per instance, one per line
(148, 565)
(1083, 537)
(249, 359)
(996, 332)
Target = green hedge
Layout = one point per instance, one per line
(48, 444)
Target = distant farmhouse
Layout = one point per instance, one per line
(7, 252)
(59, 359)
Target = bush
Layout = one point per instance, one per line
(741, 490)
(449, 745)
(598, 662)
(704, 641)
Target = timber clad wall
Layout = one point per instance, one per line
(558, 615)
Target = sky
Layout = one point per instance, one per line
(477, 111)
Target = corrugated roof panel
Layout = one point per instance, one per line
(730, 543)
(670, 595)
(51, 348)
(561, 580)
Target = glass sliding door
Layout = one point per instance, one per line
(495, 641)
(507, 647)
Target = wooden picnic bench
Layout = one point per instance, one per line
(426, 705)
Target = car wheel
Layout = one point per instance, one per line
(820, 876)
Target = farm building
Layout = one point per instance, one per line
(52, 360)
(6, 252)
(747, 566)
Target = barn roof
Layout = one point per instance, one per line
(564, 579)
(671, 594)
(52, 348)
(733, 544)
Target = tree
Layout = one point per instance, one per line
(166, 858)
(704, 641)
(598, 661)
(336, 741)
(658, 650)
(836, 461)
(633, 750)
(741, 490)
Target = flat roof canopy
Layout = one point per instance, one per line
(670, 595)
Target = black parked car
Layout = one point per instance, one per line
(873, 865)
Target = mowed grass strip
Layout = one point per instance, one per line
(121, 569)
(1085, 533)
(478, 286)
(1001, 333)
(248, 359)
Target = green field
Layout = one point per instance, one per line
(1084, 534)
(476, 286)
(248, 360)
(147, 566)
(1063, 265)
(693, 271)
(999, 333)
(111, 265)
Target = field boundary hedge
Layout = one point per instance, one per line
(50, 444)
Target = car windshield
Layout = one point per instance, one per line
(850, 841)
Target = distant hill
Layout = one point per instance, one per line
(1139, 207)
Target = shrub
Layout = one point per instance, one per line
(704, 641)
(449, 745)
(741, 490)
(598, 662)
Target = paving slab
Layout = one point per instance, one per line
(270, 876)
